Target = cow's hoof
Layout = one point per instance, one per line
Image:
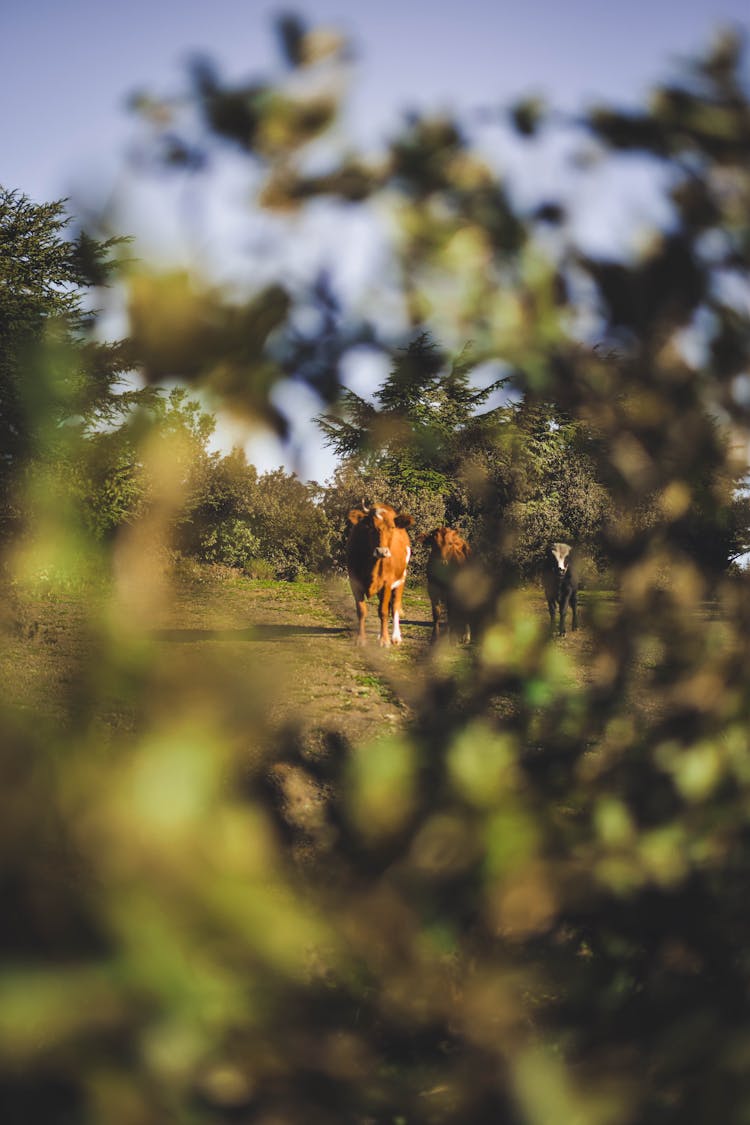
(384, 642)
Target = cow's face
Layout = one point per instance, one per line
(378, 524)
(446, 543)
(560, 553)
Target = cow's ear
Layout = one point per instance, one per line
(403, 520)
(356, 515)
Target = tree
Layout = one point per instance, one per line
(546, 484)
(525, 465)
(424, 421)
(292, 528)
(106, 472)
(569, 866)
(55, 381)
(234, 516)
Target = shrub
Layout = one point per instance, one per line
(230, 543)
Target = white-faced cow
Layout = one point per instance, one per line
(560, 584)
(449, 552)
(378, 554)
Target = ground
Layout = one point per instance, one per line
(292, 642)
(274, 663)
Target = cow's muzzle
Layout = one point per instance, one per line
(382, 553)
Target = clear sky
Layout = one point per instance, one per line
(67, 68)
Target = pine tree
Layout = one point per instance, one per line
(55, 379)
(424, 420)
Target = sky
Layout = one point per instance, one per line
(68, 69)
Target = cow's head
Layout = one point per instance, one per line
(446, 543)
(378, 524)
(560, 554)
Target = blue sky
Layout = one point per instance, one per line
(67, 69)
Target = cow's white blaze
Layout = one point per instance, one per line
(561, 554)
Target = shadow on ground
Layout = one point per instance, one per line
(253, 633)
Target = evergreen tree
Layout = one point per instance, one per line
(425, 419)
(55, 380)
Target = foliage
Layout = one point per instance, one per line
(527, 905)
(233, 516)
(422, 424)
(291, 527)
(231, 543)
(53, 378)
(180, 328)
(524, 465)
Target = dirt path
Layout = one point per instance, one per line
(286, 647)
(295, 643)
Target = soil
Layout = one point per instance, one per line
(275, 664)
(291, 643)
(288, 645)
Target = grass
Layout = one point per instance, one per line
(288, 644)
(291, 644)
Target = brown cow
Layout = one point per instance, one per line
(449, 551)
(378, 553)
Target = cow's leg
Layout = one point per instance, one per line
(397, 594)
(452, 619)
(463, 629)
(552, 607)
(384, 598)
(360, 602)
(564, 600)
(436, 616)
(574, 607)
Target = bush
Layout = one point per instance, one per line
(230, 543)
(260, 570)
(235, 517)
(292, 528)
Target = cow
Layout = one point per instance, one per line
(560, 583)
(378, 553)
(449, 551)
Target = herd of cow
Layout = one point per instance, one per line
(378, 553)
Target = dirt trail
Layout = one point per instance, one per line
(288, 649)
(295, 643)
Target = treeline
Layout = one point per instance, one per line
(511, 472)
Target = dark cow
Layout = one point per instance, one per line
(560, 583)
(448, 553)
(378, 554)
